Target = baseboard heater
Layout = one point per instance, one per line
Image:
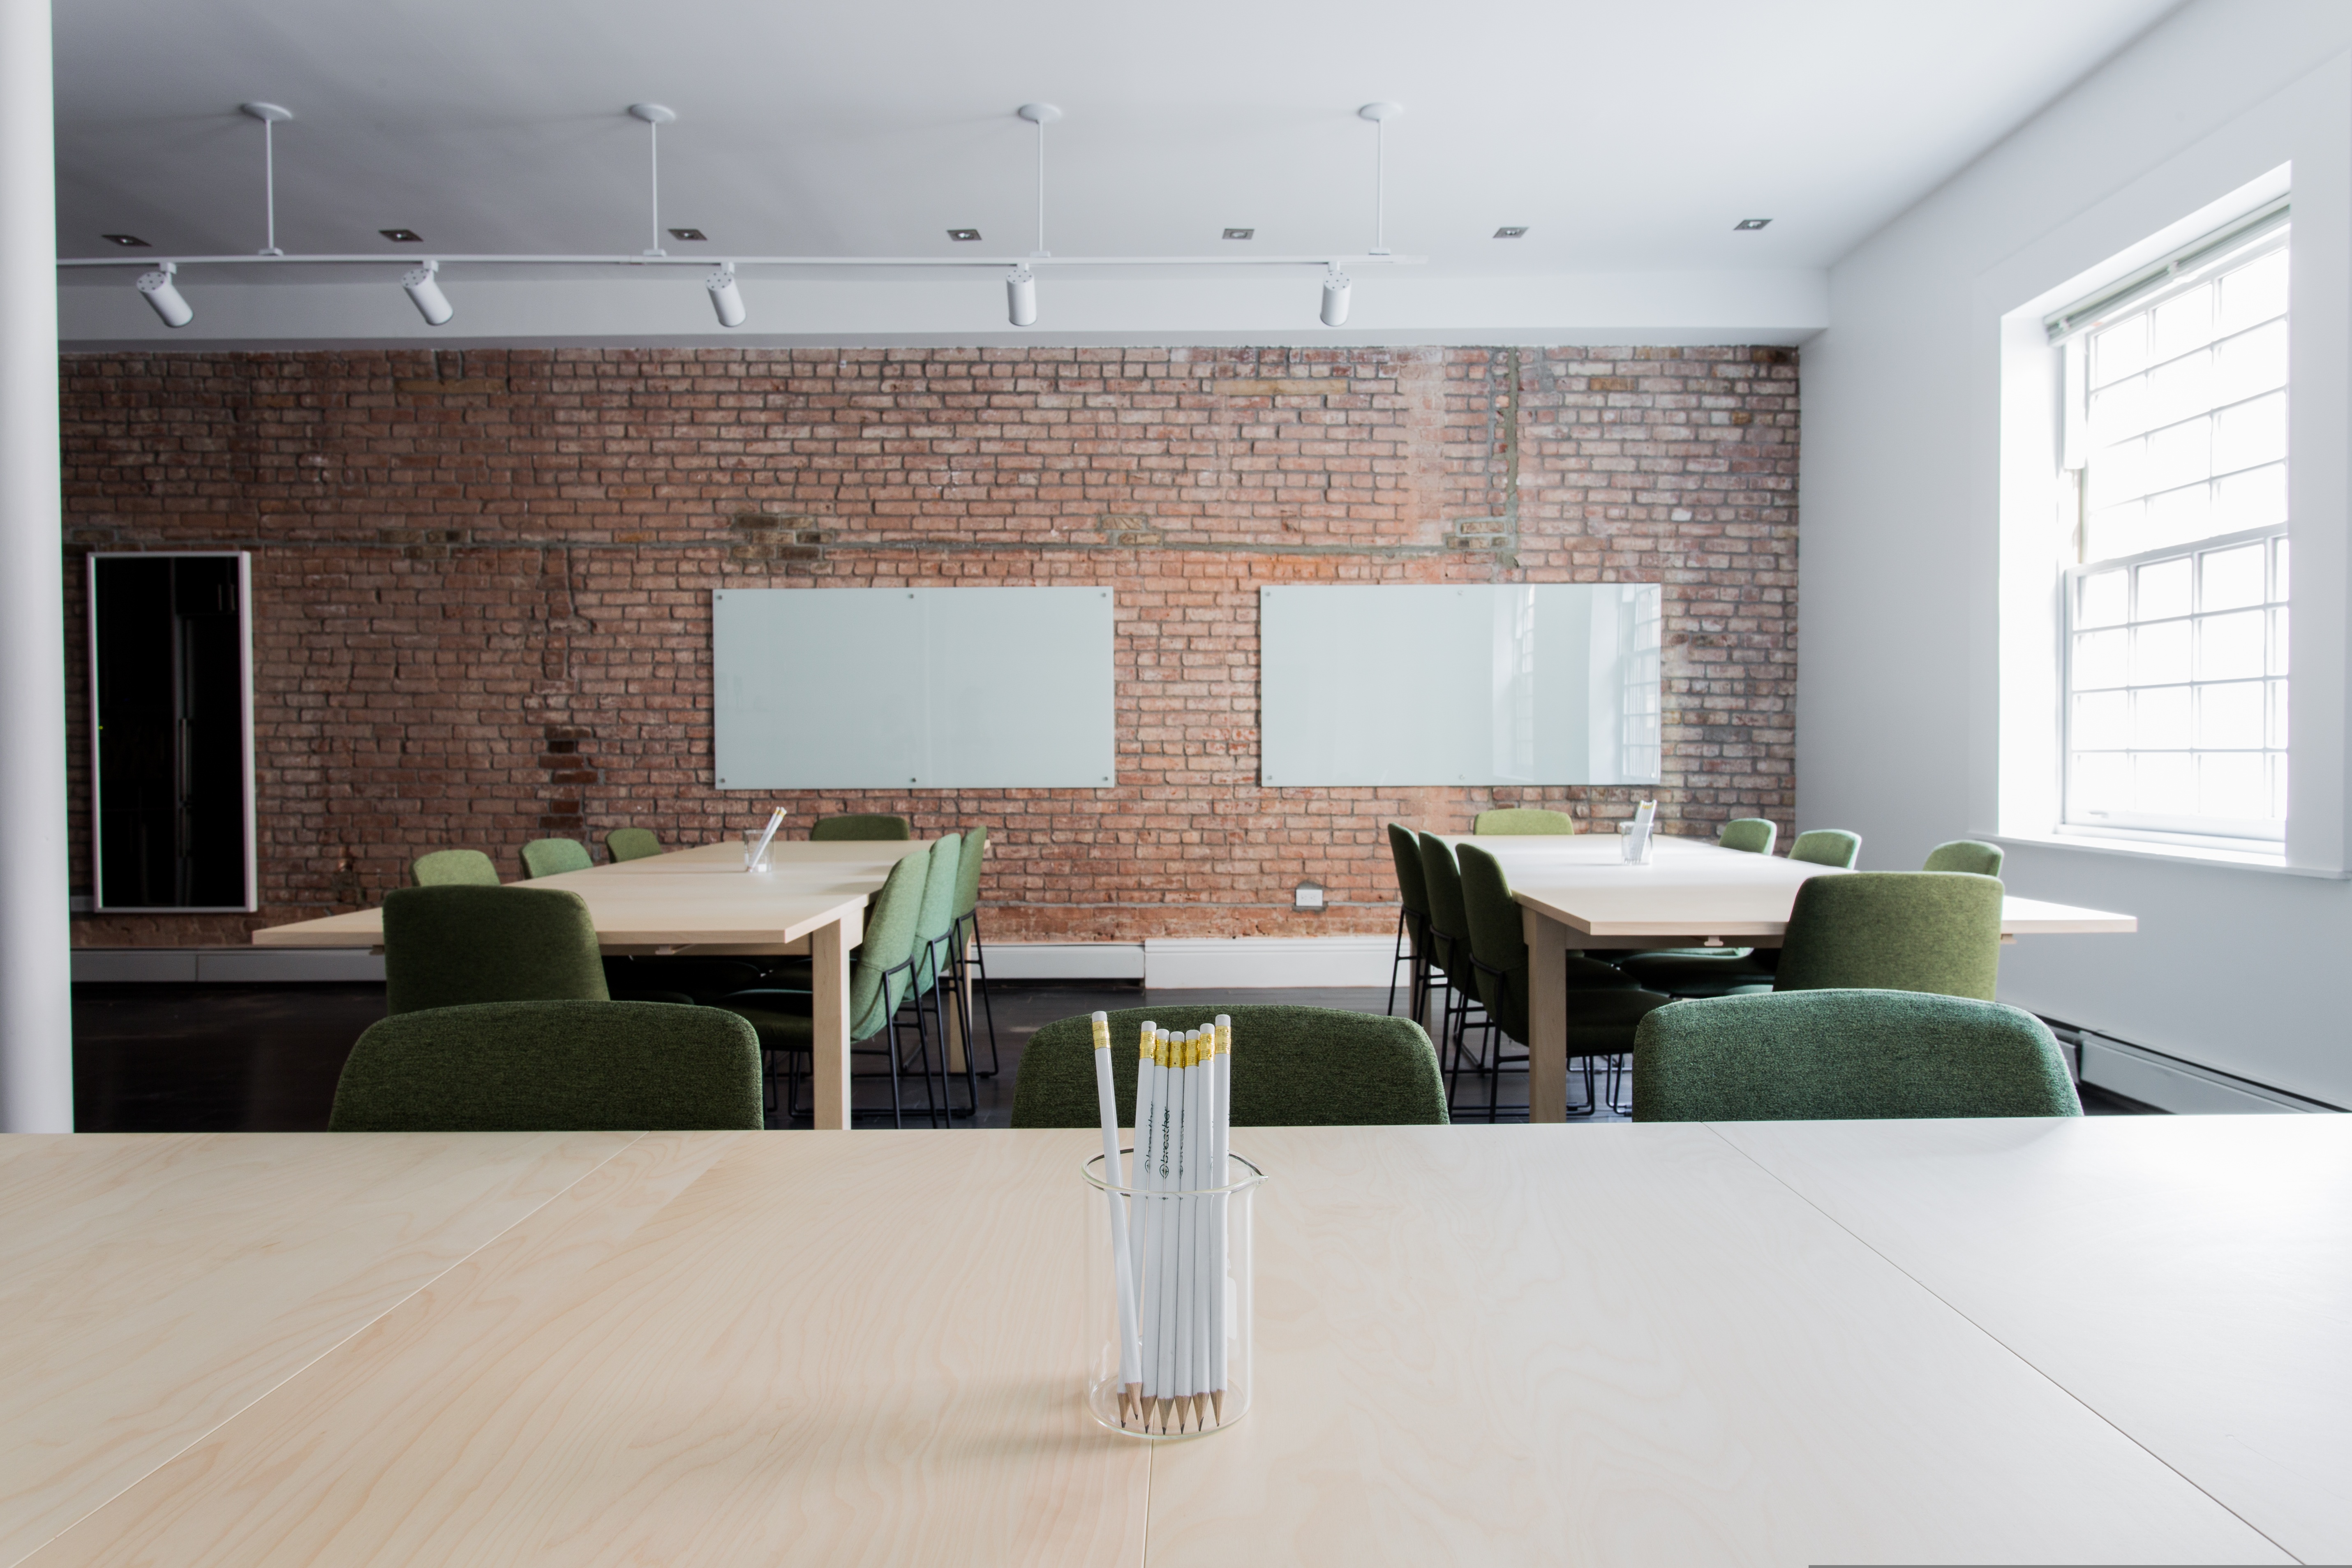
(2169, 1082)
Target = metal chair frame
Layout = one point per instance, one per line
(895, 1050)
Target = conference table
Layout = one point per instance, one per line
(811, 899)
(1577, 892)
(2115, 1340)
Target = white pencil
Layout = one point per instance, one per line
(1130, 1376)
(1201, 1127)
(1147, 1219)
(1180, 1349)
(1221, 1135)
(1171, 1180)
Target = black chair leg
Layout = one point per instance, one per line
(979, 963)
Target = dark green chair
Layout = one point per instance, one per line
(1808, 1056)
(551, 1067)
(881, 977)
(1894, 930)
(1292, 1067)
(1604, 1005)
(1973, 856)
(454, 868)
(1711, 971)
(1448, 929)
(1828, 846)
(1749, 835)
(970, 954)
(1412, 921)
(1522, 820)
(455, 946)
(554, 856)
(853, 827)
(631, 844)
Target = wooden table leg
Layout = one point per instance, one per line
(829, 1043)
(1547, 1016)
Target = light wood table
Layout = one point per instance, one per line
(1577, 891)
(701, 900)
(1478, 1345)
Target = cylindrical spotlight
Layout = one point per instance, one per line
(725, 298)
(1336, 287)
(1021, 295)
(165, 296)
(431, 303)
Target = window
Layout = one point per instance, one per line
(2173, 497)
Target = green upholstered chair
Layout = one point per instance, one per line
(454, 946)
(1751, 835)
(970, 954)
(1894, 930)
(935, 925)
(631, 844)
(551, 1067)
(1711, 971)
(1292, 1067)
(1828, 846)
(852, 826)
(1973, 856)
(881, 976)
(1412, 921)
(1448, 929)
(1805, 1055)
(454, 868)
(1522, 819)
(1603, 1004)
(554, 856)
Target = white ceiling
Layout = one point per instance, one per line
(1629, 137)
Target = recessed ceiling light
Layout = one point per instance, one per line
(1241, 233)
(1751, 222)
(964, 236)
(125, 240)
(401, 236)
(687, 234)
(1512, 231)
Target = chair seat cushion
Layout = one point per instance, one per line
(1602, 1023)
(1594, 974)
(1699, 972)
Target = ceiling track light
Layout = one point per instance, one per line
(1336, 285)
(425, 290)
(165, 296)
(269, 114)
(1021, 295)
(725, 298)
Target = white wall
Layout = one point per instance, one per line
(1898, 702)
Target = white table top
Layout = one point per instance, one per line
(1523, 1345)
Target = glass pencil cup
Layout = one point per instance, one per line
(1635, 847)
(752, 846)
(1188, 1274)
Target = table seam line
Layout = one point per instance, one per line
(2022, 1360)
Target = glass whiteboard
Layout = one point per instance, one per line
(922, 688)
(1548, 683)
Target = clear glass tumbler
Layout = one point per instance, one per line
(1193, 1293)
(751, 836)
(1637, 846)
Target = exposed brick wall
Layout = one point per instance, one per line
(482, 579)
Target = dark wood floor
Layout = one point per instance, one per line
(264, 1058)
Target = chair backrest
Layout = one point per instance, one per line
(1498, 941)
(1752, 835)
(1845, 1055)
(454, 868)
(935, 913)
(1449, 923)
(879, 978)
(1973, 856)
(1523, 819)
(1292, 1067)
(453, 946)
(1828, 846)
(631, 844)
(551, 1066)
(1894, 930)
(975, 849)
(834, 829)
(1413, 886)
(554, 856)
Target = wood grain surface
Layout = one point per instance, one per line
(153, 1287)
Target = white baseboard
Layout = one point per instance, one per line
(1066, 960)
(225, 966)
(1261, 963)
(2183, 1087)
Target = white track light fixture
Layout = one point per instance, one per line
(1336, 285)
(162, 293)
(725, 298)
(1021, 295)
(269, 114)
(426, 290)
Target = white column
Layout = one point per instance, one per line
(35, 990)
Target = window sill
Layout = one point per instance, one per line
(2176, 854)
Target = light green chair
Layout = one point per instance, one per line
(853, 827)
(454, 868)
(1603, 1004)
(1523, 819)
(1894, 930)
(453, 946)
(1973, 856)
(935, 925)
(1292, 1067)
(551, 1067)
(1751, 835)
(631, 844)
(554, 856)
(969, 956)
(1828, 846)
(1808, 1056)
